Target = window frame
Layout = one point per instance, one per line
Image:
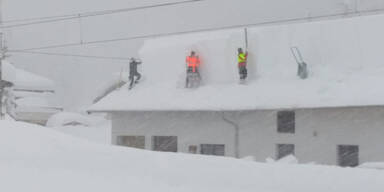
(340, 158)
(141, 141)
(155, 147)
(279, 147)
(205, 145)
(286, 122)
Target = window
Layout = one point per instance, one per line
(284, 150)
(164, 143)
(286, 122)
(131, 141)
(348, 155)
(209, 149)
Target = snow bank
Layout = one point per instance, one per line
(92, 128)
(290, 159)
(37, 159)
(373, 165)
(344, 58)
(67, 118)
(97, 134)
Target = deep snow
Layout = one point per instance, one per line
(89, 127)
(37, 159)
(344, 58)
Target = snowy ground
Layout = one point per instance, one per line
(38, 159)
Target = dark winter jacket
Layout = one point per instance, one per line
(133, 67)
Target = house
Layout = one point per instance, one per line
(334, 117)
(31, 98)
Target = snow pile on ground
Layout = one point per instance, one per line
(37, 159)
(69, 118)
(290, 159)
(90, 127)
(373, 165)
(249, 158)
(344, 58)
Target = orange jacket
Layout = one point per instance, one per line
(193, 61)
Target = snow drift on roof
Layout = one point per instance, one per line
(28, 80)
(344, 56)
(25, 80)
(8, 71)
(63, 118)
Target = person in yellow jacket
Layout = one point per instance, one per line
(242, 63)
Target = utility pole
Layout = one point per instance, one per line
(2, 86)
(3, 83)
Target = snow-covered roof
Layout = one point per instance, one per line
(33, 101)
(66, 118)
(8, 71)
(36, 105)
(26, 80)
(344, 57)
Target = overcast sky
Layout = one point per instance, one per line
(78, 79)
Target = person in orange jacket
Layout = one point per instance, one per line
(193, 64)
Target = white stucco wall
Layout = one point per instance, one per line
(317, 135)
(190, 128)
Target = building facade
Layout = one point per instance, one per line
(345, 136)
(334, 117)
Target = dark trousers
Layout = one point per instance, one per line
(189, 72)
(132, 78)
(243, 72)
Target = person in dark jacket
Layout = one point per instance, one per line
(133, 72)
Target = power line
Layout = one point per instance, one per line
(71, 55)
(38, 18)
(59, 18)
(377, 11)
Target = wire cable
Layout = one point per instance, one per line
(93, 14)
(38, 18)
(293, 20)
(138, 37)
(71, 55)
